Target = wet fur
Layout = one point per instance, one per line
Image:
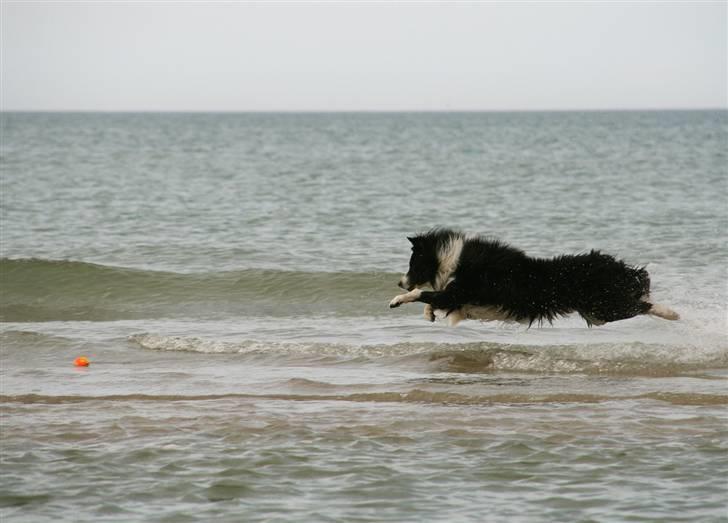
(473, 277)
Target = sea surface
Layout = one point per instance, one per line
(228, 276)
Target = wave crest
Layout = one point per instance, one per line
(602, 358)
(50, 290)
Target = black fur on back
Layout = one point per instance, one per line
(491, 273)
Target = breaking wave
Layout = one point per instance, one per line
(639, 359)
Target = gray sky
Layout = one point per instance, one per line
(235, 56)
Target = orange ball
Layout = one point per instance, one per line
(81, 361)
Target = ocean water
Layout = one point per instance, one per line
(228, 276)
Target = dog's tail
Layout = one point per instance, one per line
(663, 312)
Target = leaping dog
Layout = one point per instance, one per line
(474, 277)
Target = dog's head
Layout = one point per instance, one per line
(423, 263)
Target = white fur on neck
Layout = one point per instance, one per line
(448, 258)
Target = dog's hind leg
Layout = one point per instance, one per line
(663, 312)
(591, 320)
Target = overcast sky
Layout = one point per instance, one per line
(235, 56)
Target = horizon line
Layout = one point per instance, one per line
(357, 111)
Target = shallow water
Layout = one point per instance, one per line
(228, 276)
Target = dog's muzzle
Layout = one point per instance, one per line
(404, 283)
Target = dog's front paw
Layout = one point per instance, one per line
(396, 301)
(429, 313)
(408, 297)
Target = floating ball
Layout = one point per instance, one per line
(81, 361)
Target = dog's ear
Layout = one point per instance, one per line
(416, 242)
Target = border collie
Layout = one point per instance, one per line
(473, 277)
